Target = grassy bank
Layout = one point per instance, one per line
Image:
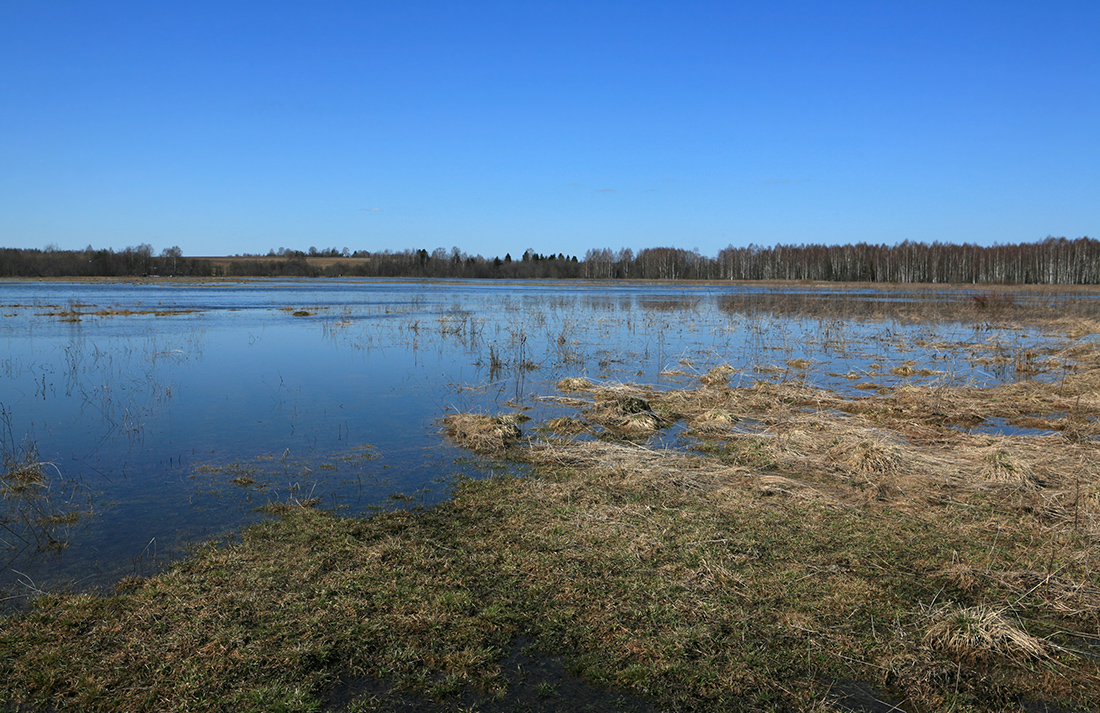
(809, 552)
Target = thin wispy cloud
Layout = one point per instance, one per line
(789, 180)
(370, 210)
(605, 190)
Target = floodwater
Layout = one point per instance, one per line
(165, 413)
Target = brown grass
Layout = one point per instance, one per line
(718, 376)
(567, 425)
(1002, 463)
(716, 420)
(869, 538)
(572, 384)
(622, 411)
(972, 634)
(481, 433)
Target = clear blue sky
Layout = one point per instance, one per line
(227, 127)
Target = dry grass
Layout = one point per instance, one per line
(481, 433)
(567, 426)
(911, 443)
(1005, 464)
(869, 457)
(973, 634)
(718, 376)
(715, 420)
(825, 538)
(623, 411)
(572, 384)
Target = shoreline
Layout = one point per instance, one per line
(808, 549)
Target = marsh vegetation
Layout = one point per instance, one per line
(698, 498)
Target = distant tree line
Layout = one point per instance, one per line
(1050, 261)
(90, 262)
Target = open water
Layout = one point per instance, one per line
(166, 413)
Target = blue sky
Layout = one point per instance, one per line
(235, 127)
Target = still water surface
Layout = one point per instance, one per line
(166, 413)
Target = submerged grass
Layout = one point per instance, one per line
(38, 507)
(808, 543)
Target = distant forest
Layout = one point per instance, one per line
(1049, 262)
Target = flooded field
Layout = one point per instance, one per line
(136, 419)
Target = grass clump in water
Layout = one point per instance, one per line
(481, 433)
(718, 376)
(624, 414)
(37, 503)
(715, 420)
(567, 426)
(572, 384)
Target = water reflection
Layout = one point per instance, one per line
(157, 414)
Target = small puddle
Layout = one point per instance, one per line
(995, 426)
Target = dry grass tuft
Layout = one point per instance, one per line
(572, 384)
(622, 413)
(972, 634)
(718, 376)
(481, 433)
(714, 420)
(1001, 465)
(771, 485)
(1078, 327)
(877, 457)
(567, 425)
(961, 575)
(642, 422)
(906, 369)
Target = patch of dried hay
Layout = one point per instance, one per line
(903, 370)
(714, 420)
(567, 425)
(639, 423)
(876, 457)
(718, 376)
(1076, 328)
(798, 442)
(877, 461)
(1001, 465)
(624, 414)
(972, 634)
(572, 384)
(482, 433)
